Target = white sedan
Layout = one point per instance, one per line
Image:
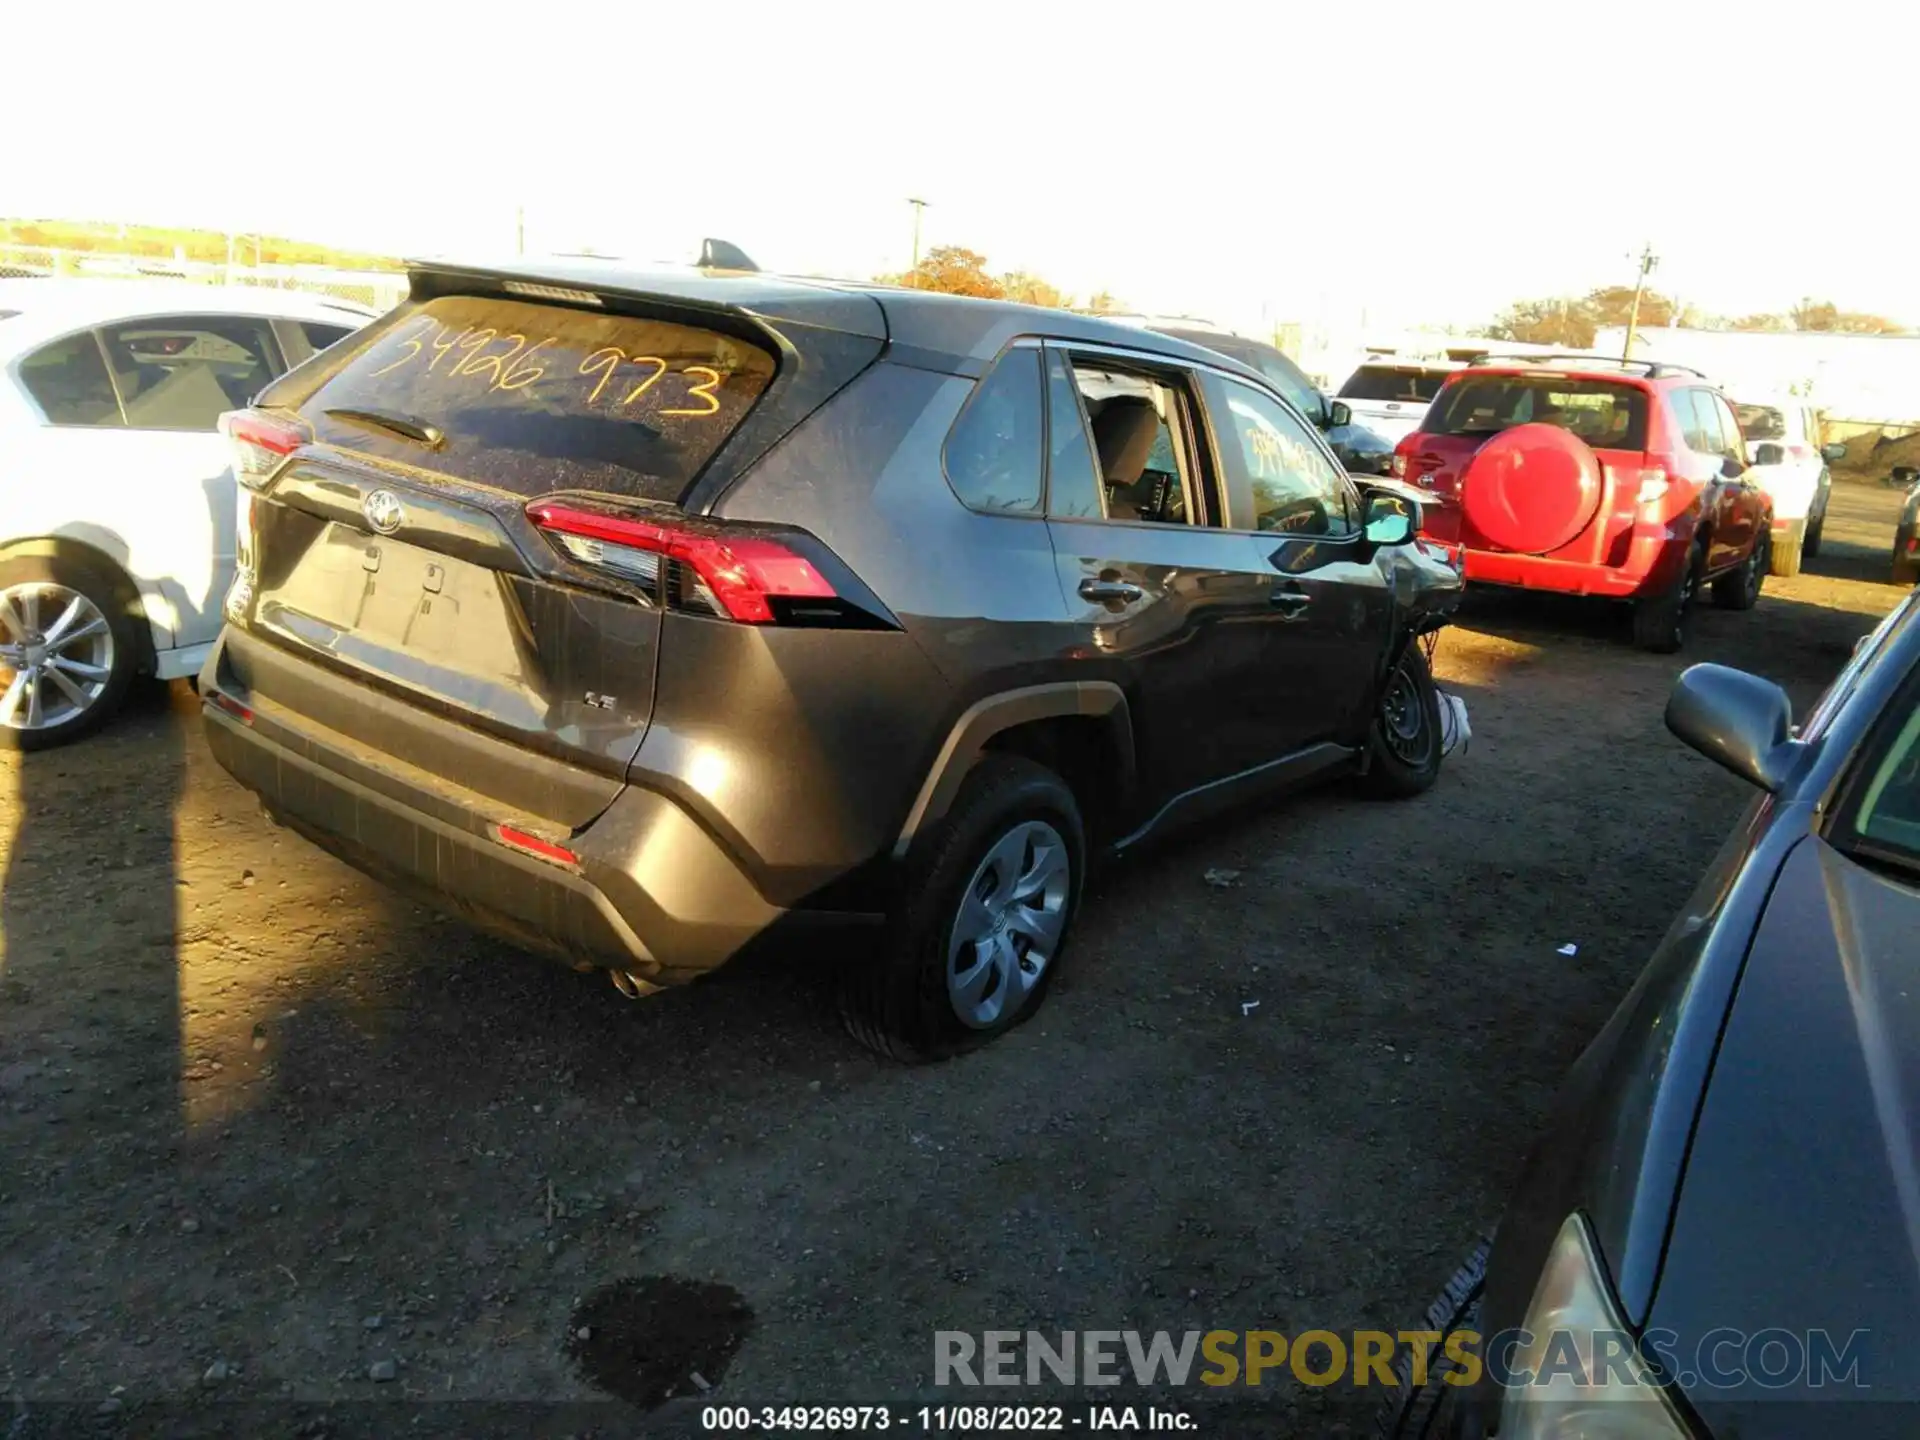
(116, 500)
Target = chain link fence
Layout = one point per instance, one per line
(376, 289)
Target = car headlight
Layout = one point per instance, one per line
(1585, 1379)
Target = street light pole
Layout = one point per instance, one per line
(919, 208)
(1647, 261)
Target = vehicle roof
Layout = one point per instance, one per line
(959, 330)
(1640, 374)
(56, 305)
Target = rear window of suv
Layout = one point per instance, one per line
(534, 398)
(1388, 382)
(1604, 413)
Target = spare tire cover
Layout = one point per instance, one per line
(1532, 488)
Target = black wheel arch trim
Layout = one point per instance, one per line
(985, 718)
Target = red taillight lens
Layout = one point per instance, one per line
(533, 845)
(259, 443)
(231, 706)
(742, 573)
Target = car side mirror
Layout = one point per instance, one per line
(1833, 452)
(1388, 522)
(1338, 413)
(1767, 452)
(1736, 720)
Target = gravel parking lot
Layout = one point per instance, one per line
(268, 1134)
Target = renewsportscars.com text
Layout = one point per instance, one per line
(1726, 1358)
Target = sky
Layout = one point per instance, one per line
(1392, 164)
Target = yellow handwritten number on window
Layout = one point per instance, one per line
(704, 390)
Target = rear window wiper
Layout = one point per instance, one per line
(407, 427)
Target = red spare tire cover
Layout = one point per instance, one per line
(1531, 489)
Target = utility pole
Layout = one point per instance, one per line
(1647, 261)
(919, 208)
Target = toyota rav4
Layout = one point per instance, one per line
(1596, 477)
(641, 617)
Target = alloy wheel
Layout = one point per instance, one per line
(56, 655)
(1011, 917)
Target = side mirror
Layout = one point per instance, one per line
(1388, 521)
(1833, 453)
(1338, 413)
(1736, 720)
(1769, 452)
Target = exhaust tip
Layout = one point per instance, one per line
(632, 986)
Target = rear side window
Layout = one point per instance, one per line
(179, 372)
(68, 380)
(993, 450)
(535, 398)
(1605, 414)
(1073, 480)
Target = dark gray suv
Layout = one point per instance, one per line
(644, 617)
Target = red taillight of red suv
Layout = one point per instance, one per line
(739, 576)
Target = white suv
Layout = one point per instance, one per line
(116, 500)
(1797, 480)
(1391, 395)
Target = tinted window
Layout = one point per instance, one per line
(321, 336)
(1606, 414)
(1382, 382)
(535, 398)
(1727, 428)
(993, 453)
(1889, 815)
(68, 380)
(1760, 422)
(1296, 488)
(1073, 482)
(179, 372)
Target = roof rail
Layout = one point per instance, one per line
(1652, 369)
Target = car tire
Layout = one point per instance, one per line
(1404, 742)
(75, 685)
(935, 989)
(1423, 1412)
(1739, 588)
(1905, 571)
(1660, 623)
(1810, 547)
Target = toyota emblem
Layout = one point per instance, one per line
(383, 512)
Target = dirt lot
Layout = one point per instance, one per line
(266, 1133)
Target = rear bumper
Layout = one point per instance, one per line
(1565, 577)
(652, 891)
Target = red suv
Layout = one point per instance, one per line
(1592, 476)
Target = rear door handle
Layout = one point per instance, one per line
(1289, 599)
(1110, 591)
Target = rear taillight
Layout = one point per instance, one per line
(744, 577)
(259, 442)
(1398, 465)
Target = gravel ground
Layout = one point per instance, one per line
(270, 1135)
